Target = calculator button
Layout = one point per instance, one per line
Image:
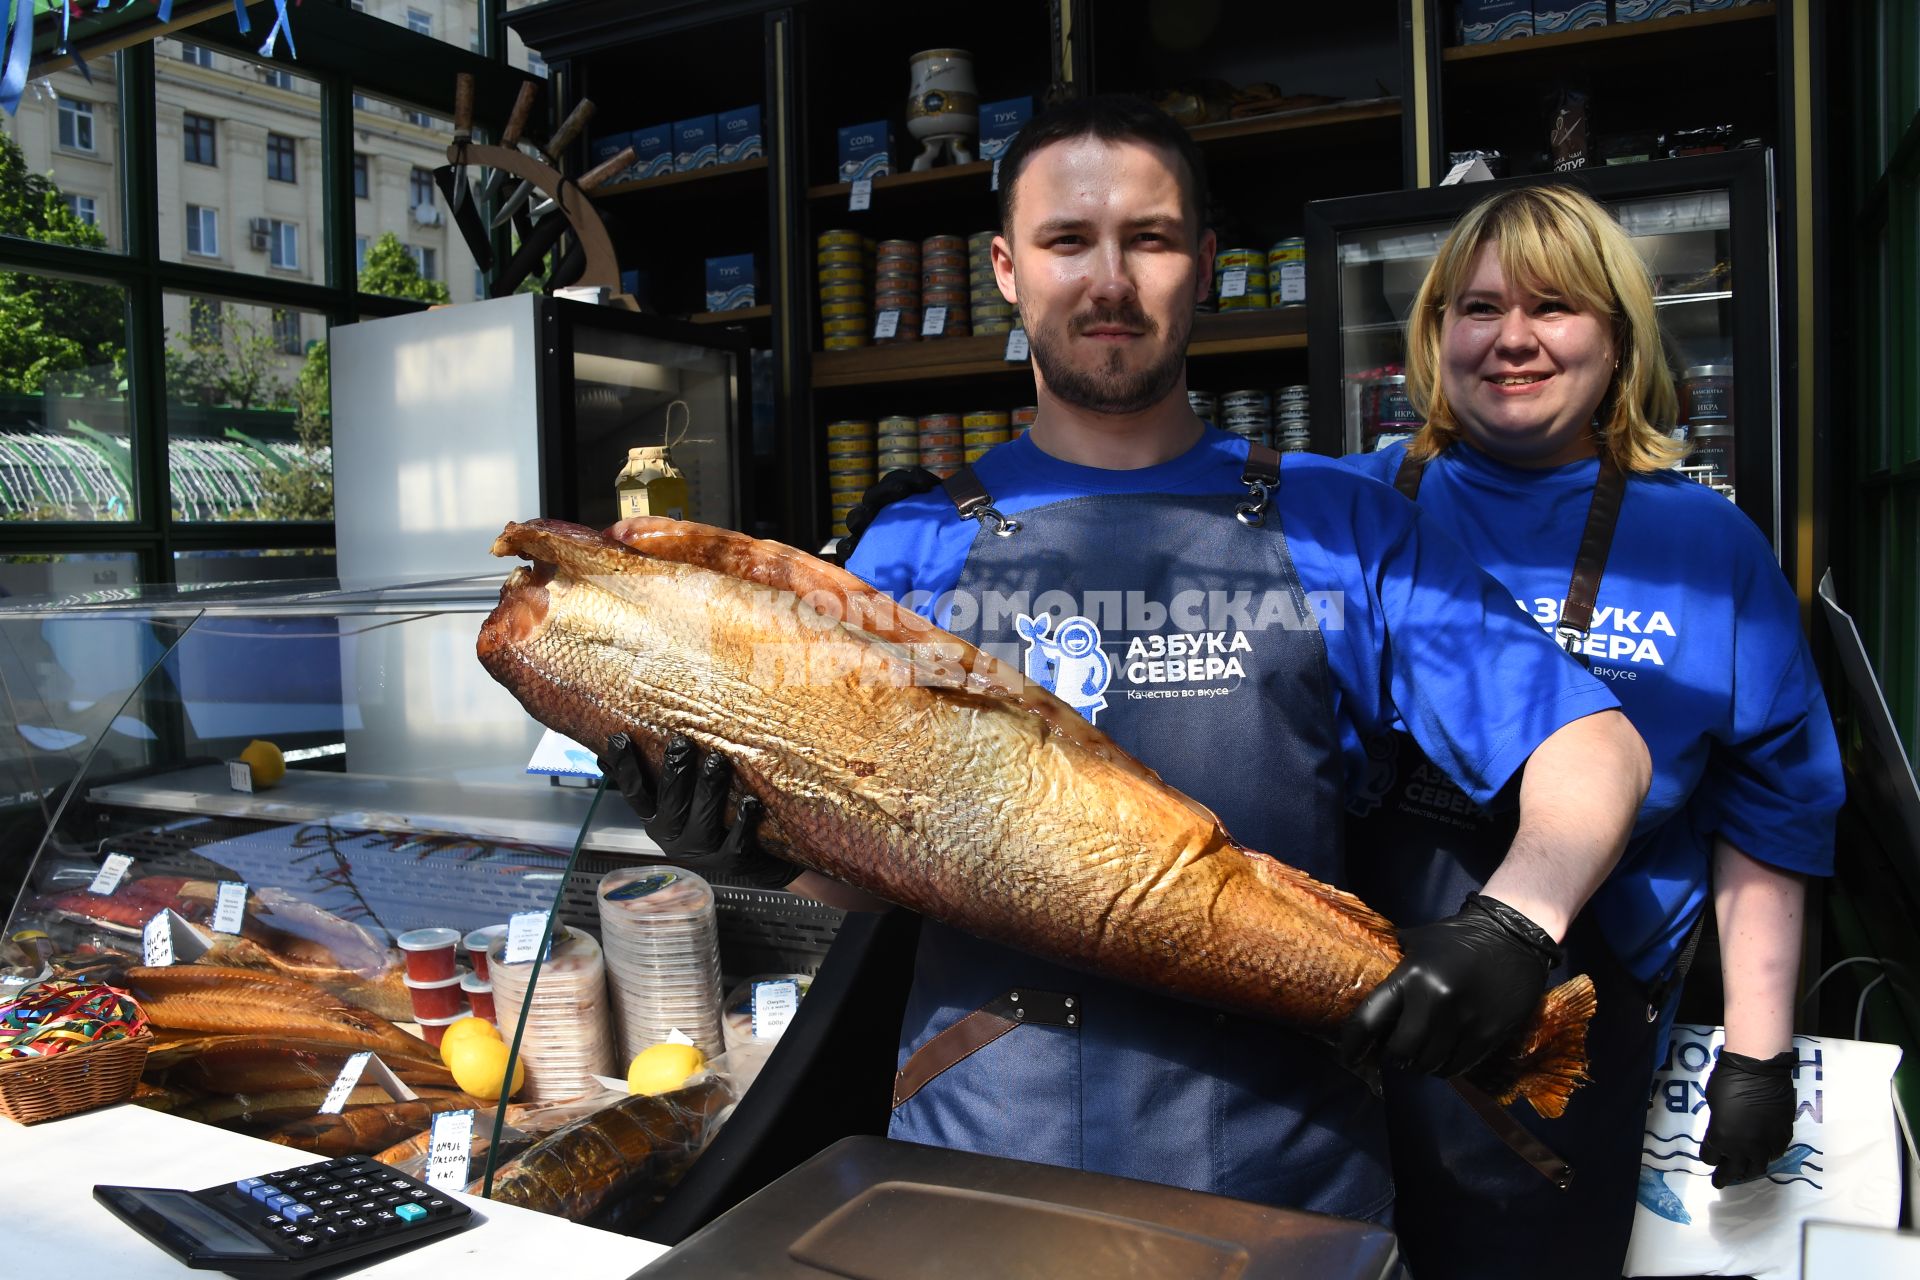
(331, 1231)
(438, 1205)
(360, 1182)
(278, 1201)
(261, 1192)
(410, 1213)
(274, 1220)
(245, 1186)
(289, 1231)
(295, 1212)
(419, 1193)
(325, 1202)
(307, 1241)
(359, 1224)
(385, 1217)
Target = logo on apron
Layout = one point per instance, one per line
(1069, 663)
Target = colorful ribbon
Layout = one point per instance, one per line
(52, 1017)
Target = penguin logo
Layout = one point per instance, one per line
(1068, 663)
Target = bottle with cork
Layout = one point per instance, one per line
(650, 485)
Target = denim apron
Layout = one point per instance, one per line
(1141, 1085)
(1468, 1206)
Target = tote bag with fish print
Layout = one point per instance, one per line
(1843, 1165)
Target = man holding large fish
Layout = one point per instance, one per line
(1178, 603)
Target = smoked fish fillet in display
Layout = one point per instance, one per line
(896, 757)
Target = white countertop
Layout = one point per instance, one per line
(51, 1213)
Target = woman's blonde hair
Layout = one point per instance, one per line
(1559, 243)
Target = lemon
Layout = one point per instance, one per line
(464, 1030)
(478, 1064)
(268, 765)
(662, 1068)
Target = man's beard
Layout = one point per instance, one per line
(1110, 387)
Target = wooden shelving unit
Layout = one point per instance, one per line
(714, 174)
(1331, 118)
(739, 315)
(1236, 333)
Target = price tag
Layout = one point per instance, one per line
(862, 195)
(995, 185)
(111, 873)
(1293, 284)
(449, 1146)
(1017, 346)
(886, 324)
(230, 908)
(240, 776)
(1233, 283)
(774, 1004)
(156, 941)
(933, 322)
(345, 1083)
(523, 935)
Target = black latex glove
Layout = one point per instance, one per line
(1464, 985)
(685, 812)
(1750, 1106)
(906, 482)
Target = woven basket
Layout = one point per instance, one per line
(36, 1089)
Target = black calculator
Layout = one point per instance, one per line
(310, 1218)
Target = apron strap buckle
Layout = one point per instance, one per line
(971, 499)
(1261, 475)
(1253, 512)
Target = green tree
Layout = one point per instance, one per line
(55, 334)
(391, 272)
(235, 363)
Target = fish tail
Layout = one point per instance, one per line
(1549, 1060)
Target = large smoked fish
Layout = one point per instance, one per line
(897, 758)
(206, 998)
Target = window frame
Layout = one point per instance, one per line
(201, 217)
(362, 176)
(361, 59)
(79, 113)
(282, 232)
(192, 134)
(73, 199)
(283, 147)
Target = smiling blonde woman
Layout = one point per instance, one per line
(1534, 352)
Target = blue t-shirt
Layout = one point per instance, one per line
(1697, 632)
(1417, 636)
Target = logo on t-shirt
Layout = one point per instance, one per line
(1068, 663)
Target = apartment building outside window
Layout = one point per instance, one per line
(198, 131)
(421, 185)
(76, 124)
(204, 319)
(198, 55)
(361, 182)
(420, 21)
(82, 207)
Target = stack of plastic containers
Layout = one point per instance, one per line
(568, 1039)
(663, 956)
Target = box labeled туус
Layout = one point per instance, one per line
(999, 122)
(866, 151)
(740, 135)
(695, 145)
(652, 151)
(730, 282)
(1552, 17)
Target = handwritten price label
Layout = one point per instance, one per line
(156, 941)
(1233, 284)
(449, 1150)
(934, 322)
(1017, 349)
(345, 1083)
(886, 324)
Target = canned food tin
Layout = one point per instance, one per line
(843, 292)
(943, 262)
(854, 482)
(975, 454)
(1205, 405)
(908, 248)
(840, 328)
(898, 424)
(975, 419)
(899, 461)
(937, 441)
(850, 427)
(986, 327)
(850, 463)
(843, 310)
(957, 326)
(842, 275)
(1242, 399)
(847, 343)
(1706, 394)
(1246, 302)
(939, 422)
(1228, 259)
(1392, 407)
(1024, 416)
(896, 302)
(1292, 395)
(944, 453)
(993, 311)
(844, 445)
(982, 239)
(1287, 265)
(946, 278)
(887, 281)
(948, 298)
(841, 258)
(840, 239)
(943, 244)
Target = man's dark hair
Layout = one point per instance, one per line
(1111, 117)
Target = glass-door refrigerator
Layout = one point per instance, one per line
(1703, 224)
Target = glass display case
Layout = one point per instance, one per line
(1702, 224)
(322, 812)
(449, 423)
